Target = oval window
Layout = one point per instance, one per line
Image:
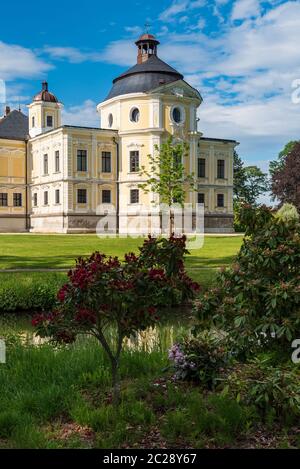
(110, 120)
(176, 114)
(135, 115)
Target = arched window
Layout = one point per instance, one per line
(134, 114)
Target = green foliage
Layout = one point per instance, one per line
(166, 174)
(288, 213)
(217, 419)
(28, 293)
(279, 164)
(249, 182)
(257, 300)
(273, 390)
(200, 359)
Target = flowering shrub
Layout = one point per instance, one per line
(258, 299)
(102, 291)
(199, 359)
(167, 255)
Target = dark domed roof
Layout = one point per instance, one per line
(144, 77)
(45, 95)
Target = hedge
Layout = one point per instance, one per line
(29, 292)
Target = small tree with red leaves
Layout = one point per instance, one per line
(102, 291)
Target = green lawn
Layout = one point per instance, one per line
(59, 251)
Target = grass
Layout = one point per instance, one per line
(61, 398)
(59, 251)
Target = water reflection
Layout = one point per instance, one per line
(158, 338)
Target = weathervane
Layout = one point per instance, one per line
(147, 27)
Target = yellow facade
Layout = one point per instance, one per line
(13, 185)
(67, 176)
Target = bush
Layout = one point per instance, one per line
(288, 213)
(28, 293)
(273, 390)
(257, 300)
(168, 254)
(200, 359)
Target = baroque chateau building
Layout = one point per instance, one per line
(53, 177)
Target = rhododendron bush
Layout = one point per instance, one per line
(257, 300)
(102, 291)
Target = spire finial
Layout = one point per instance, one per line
(147, 27)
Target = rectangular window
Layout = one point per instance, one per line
(46, 198)
(201, 198)
(45, 164)
(106, 196)
(106, 162)
(17, 199)
(35, 200)
(201, 167)
(57, 161)
(221, 169)
(81, 160)
(81, 196)
(49, 121)
(134, 161)
(134, 196)
(57, 196)
(220, 200)
(3, 199)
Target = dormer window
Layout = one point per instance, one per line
(49, 121)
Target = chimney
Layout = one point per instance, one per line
(7, 110)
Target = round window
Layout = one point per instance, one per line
(176, 114)
(135, 115)
(110, 120)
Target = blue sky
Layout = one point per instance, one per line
(242, 55)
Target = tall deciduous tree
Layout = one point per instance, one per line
(249, 182)
(239, 177)
(285, 183)
(166, 174)
(279, 163)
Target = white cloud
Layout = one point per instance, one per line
(70, 53)
(121, 52)
(245, 9)
(177, 6)
(19, 62)
(180, 6)
(134, 30)
(84, 114)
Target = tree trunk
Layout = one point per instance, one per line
(116, 382)
(171, 227)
